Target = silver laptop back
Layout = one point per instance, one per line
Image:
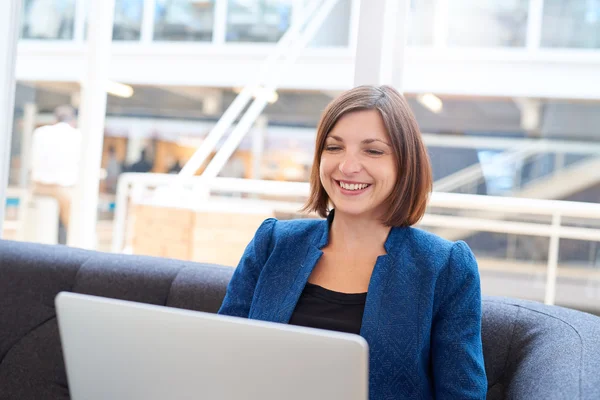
(115, 349)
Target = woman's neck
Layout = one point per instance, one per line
(354, 232)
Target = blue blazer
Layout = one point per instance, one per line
(422, 317)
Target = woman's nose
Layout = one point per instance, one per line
(350, 166)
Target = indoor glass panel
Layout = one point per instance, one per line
(571, 23)
(128, 19)
(258, 20)
(184, 20)
(487, 23)
(335, 31)
(48, 19)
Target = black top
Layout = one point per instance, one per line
(326, 309)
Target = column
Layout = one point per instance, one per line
(92, 115)
(381, 42)
(10, 17)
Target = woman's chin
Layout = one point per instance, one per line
(354, 210)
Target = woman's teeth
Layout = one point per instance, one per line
(353, 186)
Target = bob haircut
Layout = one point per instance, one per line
(408, 201)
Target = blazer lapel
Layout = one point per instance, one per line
(392, 315)
(312, 256)
(373, 305)
(292, 295)
(384, 276)
(285, 275)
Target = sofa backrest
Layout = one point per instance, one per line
(530, 350)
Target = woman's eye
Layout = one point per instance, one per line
(375, 152)
(332, 148)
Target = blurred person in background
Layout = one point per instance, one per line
(175, 167)
(413, 296)
(55, 162)
(142, 164)
(113, 170)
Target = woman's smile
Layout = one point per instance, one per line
(350, 188)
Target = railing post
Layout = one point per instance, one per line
(553, 259)
(121, 208)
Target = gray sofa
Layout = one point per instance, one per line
(531, 351)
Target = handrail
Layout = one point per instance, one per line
(516, 205)
(505, 205)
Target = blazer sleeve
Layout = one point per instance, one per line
(240, 290)
(457, 353)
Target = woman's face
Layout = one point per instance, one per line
(358, 168)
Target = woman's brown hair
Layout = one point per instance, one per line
(407, 203)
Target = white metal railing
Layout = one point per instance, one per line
(186, 192)
(510, 208)
(556, 209)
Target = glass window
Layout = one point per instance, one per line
(48, 19)
(488, 23)
(258, 20)
(335, 31)
(128, 19)
(420, 32)
(184, 20)
(571, 23)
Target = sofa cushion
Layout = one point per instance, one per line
(536, 351)
(34, 368)
(30, 277)
(497, 330)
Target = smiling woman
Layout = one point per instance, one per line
(357, 165)
(370, 136)
(413, 296)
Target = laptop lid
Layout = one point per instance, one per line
(115, 349)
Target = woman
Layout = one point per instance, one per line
(413, 296)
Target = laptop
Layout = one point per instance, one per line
(115, 349)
